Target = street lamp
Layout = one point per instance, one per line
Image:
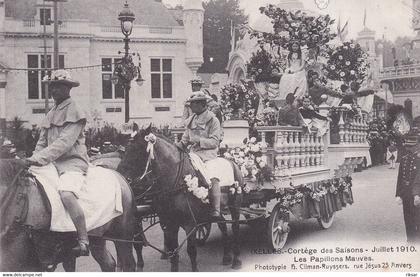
(125, 71)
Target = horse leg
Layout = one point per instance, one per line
(171, 241)
(69, 264)
(102, 255)
(192, 248)
(138, 247)
(227, 258)
(164, 256)
(237, 263)
(125, 253)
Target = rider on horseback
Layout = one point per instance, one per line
(203, 134)
(62, 143)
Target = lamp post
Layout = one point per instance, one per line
(126, 71)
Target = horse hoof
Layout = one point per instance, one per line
(139, 269)
(227, 260)
(195, 270)
(237, 264)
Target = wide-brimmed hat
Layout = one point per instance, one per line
(197, 80)
(61, 76)
(199, 96)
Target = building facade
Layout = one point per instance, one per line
(90, 39)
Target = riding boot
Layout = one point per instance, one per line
(78, 217)
(214, 197)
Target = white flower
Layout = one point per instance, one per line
(347, 62)
(262, 164)
(188, 178)
(255, 148)
(258, 159)
(253, 140)
(342, 74)
(352, 45)
(232, 190)
(340, 57)
(332, 67)
(244, 171)
(352, 72)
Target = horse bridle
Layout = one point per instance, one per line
(151, 141)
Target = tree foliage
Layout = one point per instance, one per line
(218, 15)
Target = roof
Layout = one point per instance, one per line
(104, 12)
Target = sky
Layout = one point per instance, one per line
(389, 18)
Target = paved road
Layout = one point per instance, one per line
(374, 219)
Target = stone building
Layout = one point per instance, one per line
(170, 48)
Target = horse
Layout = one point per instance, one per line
(26, 244)
(174, 205)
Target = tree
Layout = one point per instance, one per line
(218, 15)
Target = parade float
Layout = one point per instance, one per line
(291, 169)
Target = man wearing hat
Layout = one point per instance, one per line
(62, 143)
(408, 190)
(196, 85)
(203, 134)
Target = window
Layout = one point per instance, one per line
(45, 16)
(37, 61)
(161, 78)
(109, 90)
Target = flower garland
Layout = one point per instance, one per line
(239, 102)
(200, 192)
(249, 159)
(347, 63)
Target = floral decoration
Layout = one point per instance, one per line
(235, 188)
(347, 63)
(296, 26)
(201, 193)
(262, 65)
(239, 101)
(249, 158)
(268, 116)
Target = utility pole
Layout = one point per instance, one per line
(47, 95)
(55, 34)
(56, 23)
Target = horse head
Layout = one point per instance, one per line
(134, 161)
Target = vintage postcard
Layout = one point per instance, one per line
(210, 135)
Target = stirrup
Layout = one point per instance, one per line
(82, 249)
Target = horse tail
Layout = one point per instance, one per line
(237, 173)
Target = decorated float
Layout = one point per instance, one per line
(295, 169)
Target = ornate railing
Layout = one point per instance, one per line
(351, 129)
(292, 148)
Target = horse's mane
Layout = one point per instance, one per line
(165, 139)
(8, 170)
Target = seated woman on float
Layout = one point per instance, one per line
(311, 118)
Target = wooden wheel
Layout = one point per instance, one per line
(278, 228)
(326, 223)
(203, 233)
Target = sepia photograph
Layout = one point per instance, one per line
(272, 136)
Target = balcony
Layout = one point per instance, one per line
(403, 71)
